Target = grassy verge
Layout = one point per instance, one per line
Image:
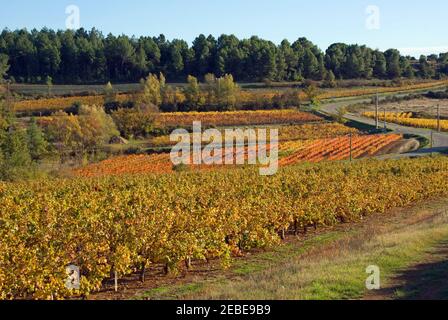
(327, 266)
(425, 281)
(247, 266)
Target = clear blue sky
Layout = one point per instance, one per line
(413, 26)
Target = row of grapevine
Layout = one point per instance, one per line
(372, 114)
(61, 103)
(339, 148)
(353, 92)
(132, 164)
(287, 132)
(407, 120)
(235, 118)
(120, 225)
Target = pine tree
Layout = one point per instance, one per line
(36, 141)
(330, 80)
(17, 162)
(5, 119)
(15, 158)
(311, 65)
(4, 66)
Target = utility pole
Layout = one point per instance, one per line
(351, 147)
(385, 123)
(438, 118)
(377, 123)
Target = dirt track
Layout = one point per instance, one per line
(424, 281)
(440, 140)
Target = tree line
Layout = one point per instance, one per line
(90, 57)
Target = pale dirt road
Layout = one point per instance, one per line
(440, 140)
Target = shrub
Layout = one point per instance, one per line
(134, 122)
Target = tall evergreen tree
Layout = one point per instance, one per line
(393, 63)
(87, 56)
(4, 66)
(37, 144)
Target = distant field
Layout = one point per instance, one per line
(60, 103)
(230, 118)
(74, 89)
(407, 119)
(236, 118)
(423, 107)
(245, 96)
(59, 90)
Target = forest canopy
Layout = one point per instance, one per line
(90, 57)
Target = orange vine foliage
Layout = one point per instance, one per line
(339, 148)
(57, 104)
(287, 133)
(235, 118)
(133, 164)
(299, 151)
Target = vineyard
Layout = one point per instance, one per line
(213, 151)
(235, 118)
(291, 152)
(406, 119)
(128, 213)
(337, 148)
(222, 119)
(58, 104)
(134, 164)
(122, 225)
(288, 132)
(372, 91)
(244, 97)
(160, 163)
